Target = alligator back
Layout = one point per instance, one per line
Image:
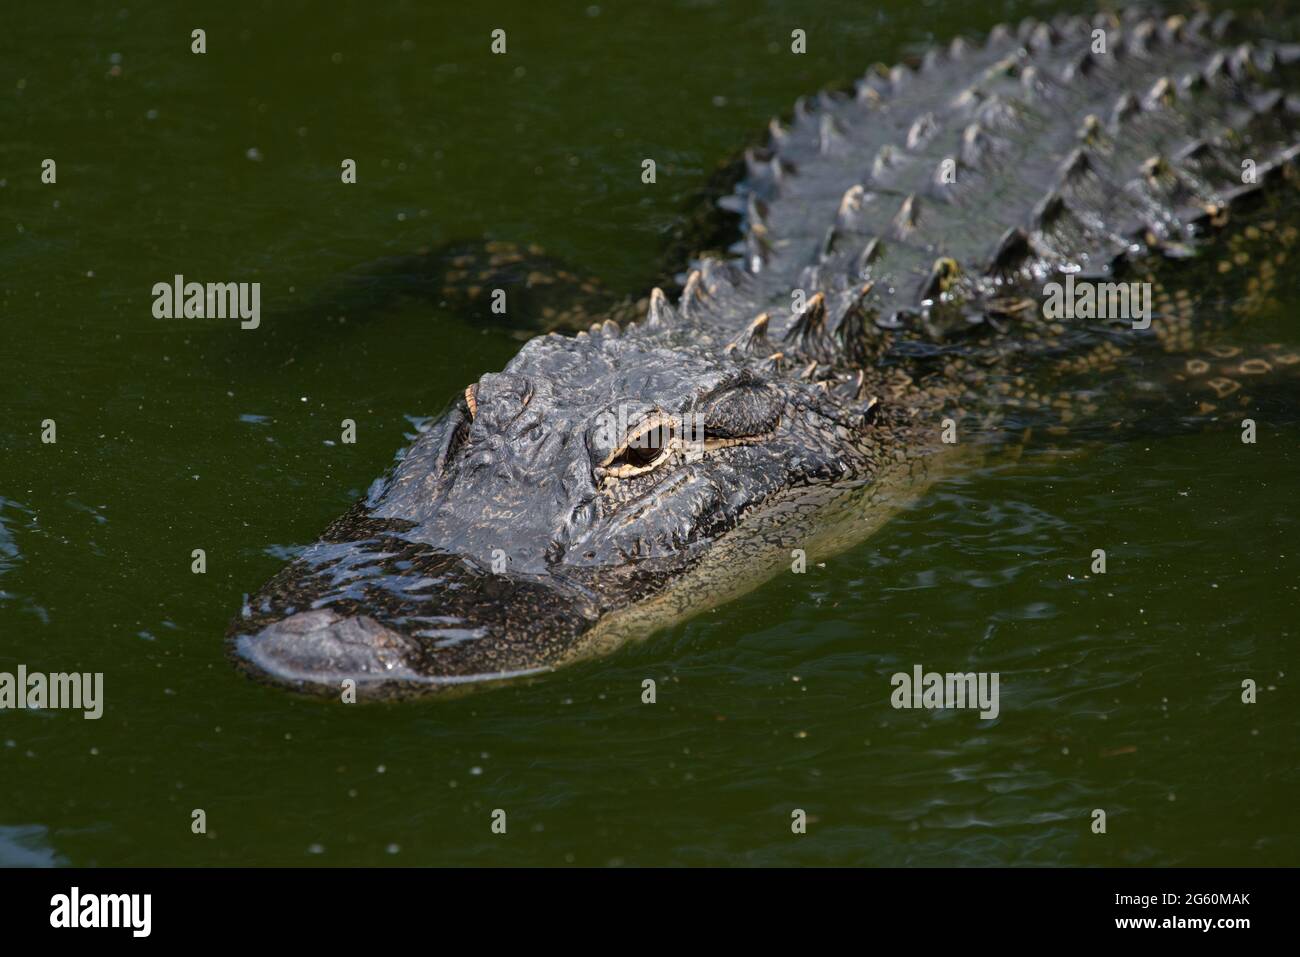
(1065, 146)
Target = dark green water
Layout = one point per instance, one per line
(1119, 692)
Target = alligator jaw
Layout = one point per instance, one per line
(388, 616)
(319, 652)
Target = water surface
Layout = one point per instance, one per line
(1119, 691)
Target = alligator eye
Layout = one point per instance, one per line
(632, 458)
(649, 444)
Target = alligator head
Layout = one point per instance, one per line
(577, 486)
(605, 484)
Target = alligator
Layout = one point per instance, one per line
(878, 321)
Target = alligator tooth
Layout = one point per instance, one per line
(921, 131)
(1000, 34)
(1174, 27)
(809, 370)
(958, 49)
(802, 110)
(471, 399)
(1025, 29)
(610, 329)
(776, 132)
(1193, 82)
(775, 362)
(900, 77)
(751, 337)
(932, 60)
(908, 214)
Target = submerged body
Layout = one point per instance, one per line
(883, 301)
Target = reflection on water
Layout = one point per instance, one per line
(27, 846)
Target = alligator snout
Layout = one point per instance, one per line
(391, 617)
(324, 647)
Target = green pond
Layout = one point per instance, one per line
(1119, 692)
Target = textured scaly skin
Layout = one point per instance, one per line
(893, 252)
